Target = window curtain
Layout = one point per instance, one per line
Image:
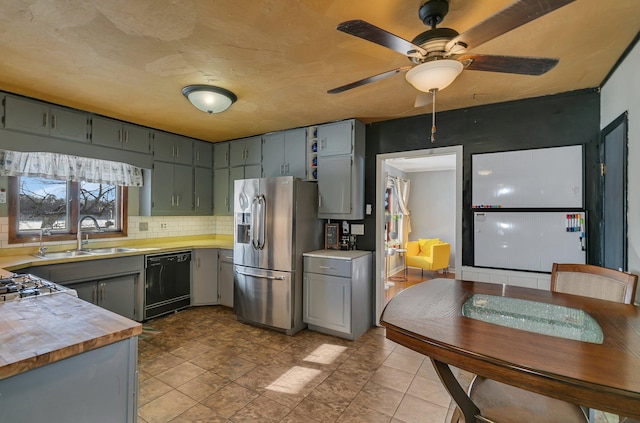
(401, 188)
(69, 168)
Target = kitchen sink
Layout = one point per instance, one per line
(113, 250)
(87, 252)
(63, 254)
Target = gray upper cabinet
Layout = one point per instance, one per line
(203, 188)
(246, 151)
(203, 154)
(43, 119)
(335, 138)
(221, 198)
(220, 155)
(341, 170)
(113, 133)
(172, 148)
(284, 153)
(171, 189)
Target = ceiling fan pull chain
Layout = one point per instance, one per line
(433, 117)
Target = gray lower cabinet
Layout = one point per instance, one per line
(225, 277)
(171, 189)
(114, 294)
(99, 385)
(114, 283)
(337, 292)
(204, 279)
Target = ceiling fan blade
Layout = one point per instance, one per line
(366, 31)
(423, 99)
(507, 64)
(511, 17)
(368, 80)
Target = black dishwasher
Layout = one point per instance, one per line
(167, 283)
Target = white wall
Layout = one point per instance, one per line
(620, 94)
(432, 201)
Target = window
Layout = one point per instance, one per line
(41, 203)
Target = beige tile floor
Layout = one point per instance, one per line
(201, 365)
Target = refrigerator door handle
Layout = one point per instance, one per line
(255, 242)
(263, 221)
(273, 278)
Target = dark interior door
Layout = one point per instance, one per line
(614, 193)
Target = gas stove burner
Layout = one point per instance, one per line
(27, 285)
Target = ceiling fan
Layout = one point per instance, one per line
(440, 54)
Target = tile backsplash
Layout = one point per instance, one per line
(156, 227)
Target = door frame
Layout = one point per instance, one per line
(381, 182)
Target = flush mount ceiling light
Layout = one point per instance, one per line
(208, 98)
(434, 75)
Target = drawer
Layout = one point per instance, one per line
(328, 266)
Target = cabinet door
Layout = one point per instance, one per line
(26, 115)
(295, 153)
(136, 138)
(202, 154)
(162, 188)
(334, 184)
(87, 291)
(68, 124)
(205, 277)
(235, 174)
(253, 155)
(252, 171)
(273, 151)
(203, 187)
(327, 301)
(220, 155)
(245, 151)
(335, 138)
(163, 148)
(183, 150)
(225, 277)
(221, 199)
(106, 132)
(118, 295)
(183, 189)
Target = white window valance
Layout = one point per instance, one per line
(68, 168)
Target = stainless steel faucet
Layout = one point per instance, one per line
(43, 249)
(79, 235)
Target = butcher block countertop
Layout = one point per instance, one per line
(40, 330)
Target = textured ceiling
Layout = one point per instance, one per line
(130, 59)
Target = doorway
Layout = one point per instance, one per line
(427, 158)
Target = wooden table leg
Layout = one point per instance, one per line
(460, 397)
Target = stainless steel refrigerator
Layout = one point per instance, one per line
(275, 223)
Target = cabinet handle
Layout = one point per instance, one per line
(45, 119)
(94, 294)
(53, 121)
(172, 201)
(177, 151)
(198, 262)
(325, 267)
(226, 156)
(197, 201)
(323, 143)
(319, 201)
(197, 155)
(177, 201)
(126, 137)
(101, 292)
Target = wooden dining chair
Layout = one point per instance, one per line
(594, 281)
(504, 403)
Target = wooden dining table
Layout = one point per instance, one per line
(603, 375)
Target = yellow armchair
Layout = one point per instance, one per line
(428, 254)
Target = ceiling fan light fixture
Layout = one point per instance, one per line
(208, 98)
(434, 75)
